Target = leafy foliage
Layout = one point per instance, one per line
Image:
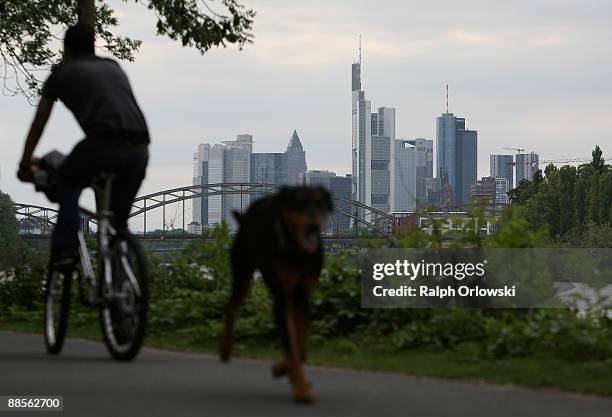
(189, 294)
(9, 228)
(30, 33)
(572, 203)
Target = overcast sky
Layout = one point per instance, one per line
(533, 74)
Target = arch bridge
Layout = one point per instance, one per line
(361, 216)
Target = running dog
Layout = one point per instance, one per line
(280, 235)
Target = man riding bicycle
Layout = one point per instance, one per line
(98, 93)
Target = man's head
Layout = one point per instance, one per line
(79, 41)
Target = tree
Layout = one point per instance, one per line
(598, 161)
(569, 201)
(9, 229)
(30, 30)
(567, 177)
(549, 170)
(522, 193)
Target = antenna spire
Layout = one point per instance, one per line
(446, 98)
(360, 49)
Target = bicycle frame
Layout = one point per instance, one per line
(106, 231)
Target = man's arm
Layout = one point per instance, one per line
(36, 129)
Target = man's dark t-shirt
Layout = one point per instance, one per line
(98, 93)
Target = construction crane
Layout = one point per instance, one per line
(170, 225)
(518, 150)
(553, 161)
(564, 161)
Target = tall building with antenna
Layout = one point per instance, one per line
(361, 137)
(456, 157)
(373, 147)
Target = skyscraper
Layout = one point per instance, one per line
(200, 177)
(361, 140)
(341, 187)
(338, 187)
(383, 173)
(502, 167)
(269, 168)
(216, 163)
(296, 159)
(229, 161)
(432, 191)
(527, 164)
(237, 168)
(424, 167)
(467, 165)
(379, 174)
(405, 176)
(456, 157)
(502, 186)
(373, 149)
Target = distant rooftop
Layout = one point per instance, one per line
(295, 143)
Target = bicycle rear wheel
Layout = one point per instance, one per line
(124, 313)
(57, 308)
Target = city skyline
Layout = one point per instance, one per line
(556, 104)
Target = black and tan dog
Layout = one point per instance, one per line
(280, 235)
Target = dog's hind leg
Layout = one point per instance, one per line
(301, 319)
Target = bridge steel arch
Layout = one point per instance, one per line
(374, 219)
(46, 216)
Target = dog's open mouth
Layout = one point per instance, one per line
(309, 241)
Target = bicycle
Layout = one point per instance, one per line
(117, 284)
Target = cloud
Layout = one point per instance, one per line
(522, 71)
(470, 38)
(315, 50)
(550, 40)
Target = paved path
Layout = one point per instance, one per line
(170, 384)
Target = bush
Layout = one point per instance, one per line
(189, 295)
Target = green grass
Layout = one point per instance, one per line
(542, 370)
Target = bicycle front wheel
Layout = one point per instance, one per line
(124, 313)
(57, 307)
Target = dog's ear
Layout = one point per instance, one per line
(238, 216)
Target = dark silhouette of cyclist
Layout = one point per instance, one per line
(98, 93)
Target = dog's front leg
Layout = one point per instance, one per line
(302, 391)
